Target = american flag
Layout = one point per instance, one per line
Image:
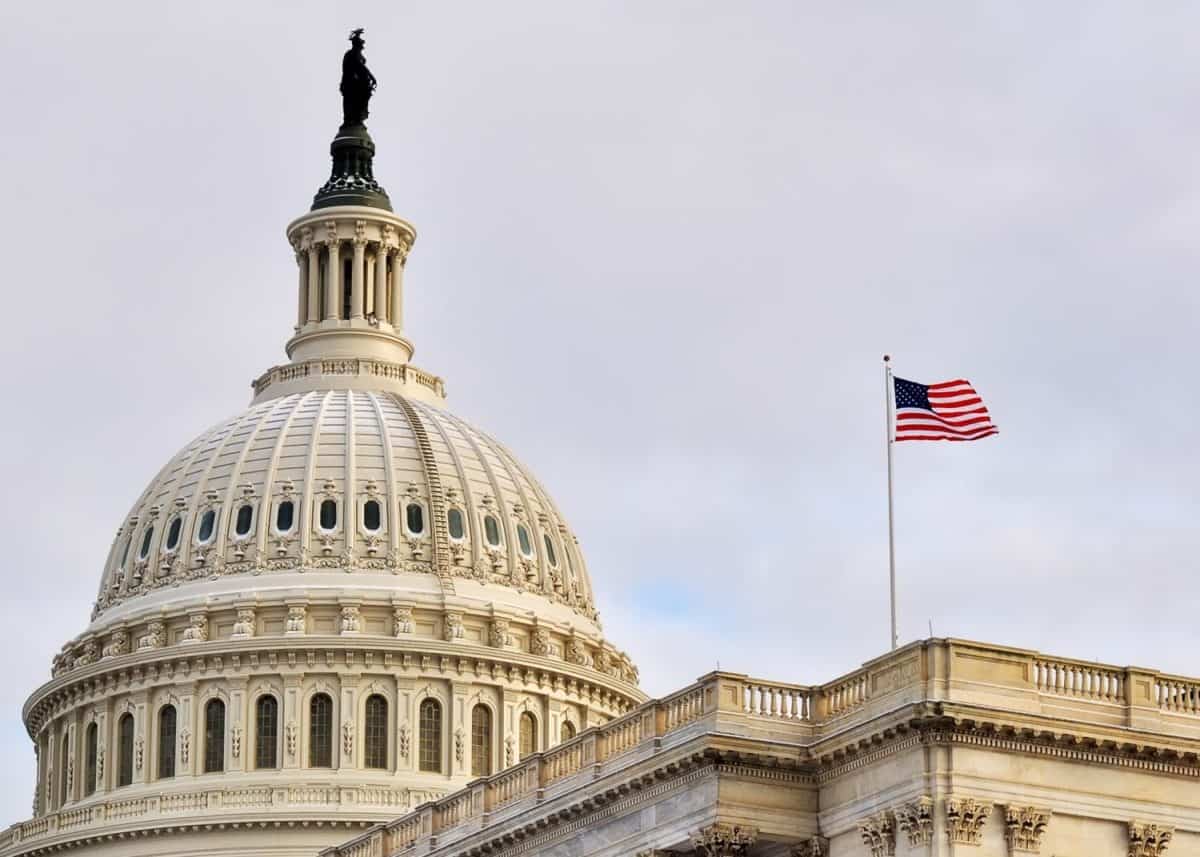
(951, 410)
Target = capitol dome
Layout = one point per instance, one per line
(334, 606)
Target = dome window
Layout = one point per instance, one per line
(524, 542)
(285, 516)
(208, 522)
(125, 552)
(414, 518)
(173, 533)
(491, 530)
(372, 516)
(550, 556)
(454, 522)
(144, 551)
(328, 514)
(245, 520)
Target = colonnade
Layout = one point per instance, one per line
(376, 274)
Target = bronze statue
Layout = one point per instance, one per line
(357, 82)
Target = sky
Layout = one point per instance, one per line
(662, 248)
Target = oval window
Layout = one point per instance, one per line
(173, 533)
(371, 516)
(328, 514)
(414, 517)
(454, 521)
(285, 516)
(550, 557)
(207, 521)
(523, 540)
(491, 531)
(145, 549)
(245, 518)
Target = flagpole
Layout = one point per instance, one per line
(887, 397)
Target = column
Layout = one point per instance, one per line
(356, 278)
(314, 283)
(302, 291)
(333, 281)
(141, 738)
(347, 735)
(188, 731)
(102, 750)
(369, 287)
(397, 273)
(382, 310)
(290, 711)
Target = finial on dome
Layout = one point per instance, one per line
(352, 181)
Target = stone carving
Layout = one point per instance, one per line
(510, 751)
(1023, 828)
(185, 747)
(540, 644)
(405, 739)
(577, 653)
(197, 629)
(965, 817)
(351, 620)
(154, 638)
(724, 840)
(1149, 840)
(402, 621)
(70, 774)
(118, 644)
(235, 742)
(459, 745)
(290, 737)
(89, 654)
(879, 834)
(348, 738)
(814, 846)
(915, 818)
(498, 636)
(244, 626)
(295, 620)
(454, 629)
(100, 763)
(139, 752)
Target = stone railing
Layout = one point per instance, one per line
(1009, 681)
(350, 366)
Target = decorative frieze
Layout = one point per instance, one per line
(296, 616)
(351, 620)
(244, 626)
(197, 629)
(915, 818)
(1149, 840)
(879, 834)
(724, 840)
(1023, 828)
(965, 817)
(402, 621)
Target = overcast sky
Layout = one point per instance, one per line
(662, 247)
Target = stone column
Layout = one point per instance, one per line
(141, 738)
(50, 780)
(302, 290)
(72, 771)
(397, 277)
(103, 754)
(237, 741)
(369, 289)
(188, 729)
(333, 281)
(290, 713)
(314, 283)
(382, 309)
(347, 734)
(356, 275)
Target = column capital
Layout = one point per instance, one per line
(814, 846)
(724, 840)
(1023, 828)
(879, 834)
(965, 817)
(1149, 840)
(915, 818)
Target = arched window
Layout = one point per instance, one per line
(144, 551)
(491, 530)
(125, 750)
(328, 514)
(208, 522)
(375, 735)
(214, 736)
(245, 520)
(523, 541)
(173, 532)
(371, 516)
(266, 732)
(454, 522)
(91, 748)
(431, 736)
(481, 741)
(550, 556)
(414, 518)
(166, 742)
(320, 731)
(63, 761)
(528, 734)
(567, 732)
(285, 516)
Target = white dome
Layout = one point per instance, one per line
(409, 491)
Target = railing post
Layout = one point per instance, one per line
(1142, 707)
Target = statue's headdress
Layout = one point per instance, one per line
(356, 35)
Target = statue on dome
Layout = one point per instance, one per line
(357, 82)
